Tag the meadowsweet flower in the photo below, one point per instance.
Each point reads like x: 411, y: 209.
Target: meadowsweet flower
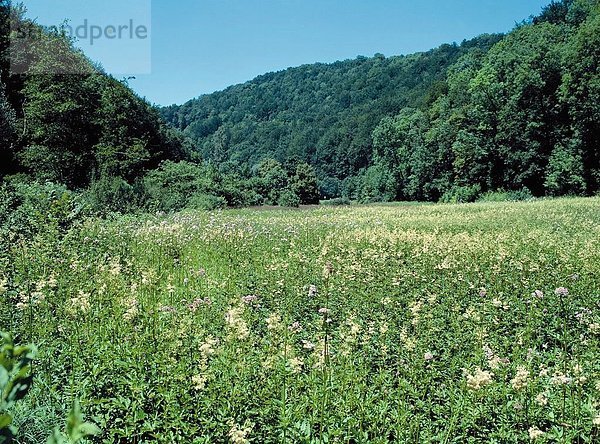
x: 236, y: 323
x: 207, y: 348
x: 3, y: 286
x: 535, y: 433
x: 541, y: 400
x: 579, y: 377
x: 115, y: 267
x: 307, y: 345
x: 239, y: 434
x: 561, y: 291
x: 80, y: 303
x: 324, y: 311
x: 199, y: 382
x: 296, y: 364
x: 295, y: 327
x: 596, y: 421
x: 519, y: 382
x: 495, y: 362
x: 328, y: 270
x: 131, y: 305
x: 320, y: 354
x: 560, y: 379
x: 274, y: 322
x: 479, y: 379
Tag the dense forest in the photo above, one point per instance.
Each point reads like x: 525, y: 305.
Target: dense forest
x: 515, y: 115
x: 518, y: 113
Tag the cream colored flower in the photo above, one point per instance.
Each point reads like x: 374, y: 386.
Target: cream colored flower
x: 541, y: 400
x: 239, y: 434
x: 519, y: 382
x: 479, y: 379
x: 236, y: 324
x: 535, y: 433
x: 199, y: 382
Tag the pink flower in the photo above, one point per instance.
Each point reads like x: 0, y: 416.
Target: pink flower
x: 249, y: 299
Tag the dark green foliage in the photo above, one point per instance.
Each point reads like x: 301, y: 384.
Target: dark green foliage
x: 494, y: 114
x: 523, y: 116
x: 322, y: 114
x: 289, y: 199
x: 304, y: 184
x: 27, y: 208
x: 178, y: 185
x: 74, y: 122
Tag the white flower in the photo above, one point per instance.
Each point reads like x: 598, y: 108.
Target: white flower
x: 535, y: 433
x: 541, y: 400
x: 479, y: 379
x: 519, y: 382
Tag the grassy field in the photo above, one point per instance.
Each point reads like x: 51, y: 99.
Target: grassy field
x: 406, y: 324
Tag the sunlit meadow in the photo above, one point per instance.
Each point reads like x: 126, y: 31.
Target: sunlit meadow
x: 403, y: 324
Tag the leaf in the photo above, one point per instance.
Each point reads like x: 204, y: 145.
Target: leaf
x: 5, y: 421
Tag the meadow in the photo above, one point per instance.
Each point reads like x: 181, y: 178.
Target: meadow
x: 417, y: 323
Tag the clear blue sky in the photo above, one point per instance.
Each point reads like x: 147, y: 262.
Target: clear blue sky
x: 200, y: 46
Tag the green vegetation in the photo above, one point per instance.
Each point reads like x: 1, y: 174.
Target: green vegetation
x: 513, y: 113
x: 407, y: 323
x: 179, y: 322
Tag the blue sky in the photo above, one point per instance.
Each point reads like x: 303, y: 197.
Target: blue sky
x: 200, y: 46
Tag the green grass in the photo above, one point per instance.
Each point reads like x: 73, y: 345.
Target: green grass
x: 422, y: 317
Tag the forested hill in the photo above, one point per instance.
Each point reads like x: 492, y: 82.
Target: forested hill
x: 323, y: 114
x: 518, y: 113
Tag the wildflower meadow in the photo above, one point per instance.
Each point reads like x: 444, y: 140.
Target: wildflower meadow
x: 406, y: 323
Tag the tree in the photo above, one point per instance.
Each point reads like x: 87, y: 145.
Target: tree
x: 564, y: 175
x: 273, y: 180
x: 305, y: 184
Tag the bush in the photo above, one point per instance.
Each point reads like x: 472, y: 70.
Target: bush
x: 340, y: 201
x: 29, y: 208
x: 207, y: 202
x: 114, y: 195
x: 506, y: 196
x: 289, y: 199
x: 462, y: 194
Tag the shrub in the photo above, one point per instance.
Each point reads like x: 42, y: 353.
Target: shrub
x: 462, y: 194
x: 207, y: 202
x: 28, y: 208
x: 340, y: 201
x: 289, y: 199
x: 506, y: 196
x: 114, y: 195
